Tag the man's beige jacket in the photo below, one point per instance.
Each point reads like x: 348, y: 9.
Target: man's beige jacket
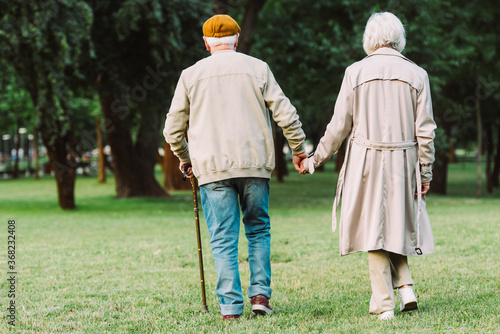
x: 225, y: 98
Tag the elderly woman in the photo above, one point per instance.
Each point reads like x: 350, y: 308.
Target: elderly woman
x: 385, y: 108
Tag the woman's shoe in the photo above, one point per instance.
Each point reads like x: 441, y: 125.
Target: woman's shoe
x: 387, y: 315
x: 408, y: 299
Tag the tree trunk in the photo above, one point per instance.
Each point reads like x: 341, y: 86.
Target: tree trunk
x: 440, y: 172
x: 280, y: 169
x: 35, y: 153
x: 133, y: 163
x: 61, y: 160
x: 252, y: 11
x: 64, y: 165
x: 61, y: 157
x: 101, y: 173
x: 495, y: 177
x: 172, y: 176
x: 17, y: 142
x: 28, y: 155
x: 479, y: 147
x: 440, y: 167
x: 489, y: 158
x: 452, y: 158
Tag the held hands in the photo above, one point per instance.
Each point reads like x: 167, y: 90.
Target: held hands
x: 425, y: 188
x: 303, y: 170
x: 186, y: 167
x: 298, y: 163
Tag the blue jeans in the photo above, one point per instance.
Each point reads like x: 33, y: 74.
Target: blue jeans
x: 221, y: 209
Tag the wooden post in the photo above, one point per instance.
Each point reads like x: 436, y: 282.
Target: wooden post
x: 489, y: 158
x: 496, y: 167
x: 101, y: 174
x: 479, y: 147
x: 35, y: 153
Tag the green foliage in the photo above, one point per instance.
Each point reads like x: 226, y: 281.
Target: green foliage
x: 50, y: 47
x: 441, y: 145
x: 45, y: 44
x: 308, y: 46
x: 16, y: 107
x: 131, y: 37
x: 309, y: 53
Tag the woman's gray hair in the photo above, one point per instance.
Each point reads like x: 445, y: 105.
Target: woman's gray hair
x: 383, y: 29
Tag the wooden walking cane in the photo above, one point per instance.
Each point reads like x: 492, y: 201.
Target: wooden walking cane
x: 198, y: 237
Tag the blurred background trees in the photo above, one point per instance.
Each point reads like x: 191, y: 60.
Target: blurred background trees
x: 70, y: 69
x: 140, y: 48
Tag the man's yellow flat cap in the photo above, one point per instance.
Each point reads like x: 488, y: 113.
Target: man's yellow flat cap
x: 220, y: 26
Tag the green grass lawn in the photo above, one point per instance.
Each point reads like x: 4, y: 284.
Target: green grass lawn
x: 131, y: 266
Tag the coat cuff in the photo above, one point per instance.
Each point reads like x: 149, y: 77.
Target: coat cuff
x: 299, y: 149
x: 309, y: 165
x: 183, y: 154
x: 426, y: 173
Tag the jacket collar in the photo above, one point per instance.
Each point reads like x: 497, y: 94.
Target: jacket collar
x: 222, y: 52
x: 385, y: 51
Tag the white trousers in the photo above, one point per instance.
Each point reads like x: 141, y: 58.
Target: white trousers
x: 388, y: 271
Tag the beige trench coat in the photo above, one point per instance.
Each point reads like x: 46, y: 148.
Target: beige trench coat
x: 385, y: 108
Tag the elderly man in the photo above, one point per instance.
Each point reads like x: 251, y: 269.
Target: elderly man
x: 385, y: 106
x: 225, y: 98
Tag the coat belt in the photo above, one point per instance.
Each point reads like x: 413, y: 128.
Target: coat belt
x: 384, y: 146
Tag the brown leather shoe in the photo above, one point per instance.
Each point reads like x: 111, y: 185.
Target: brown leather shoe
x: 260, y: 305
x: 231, y: 316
